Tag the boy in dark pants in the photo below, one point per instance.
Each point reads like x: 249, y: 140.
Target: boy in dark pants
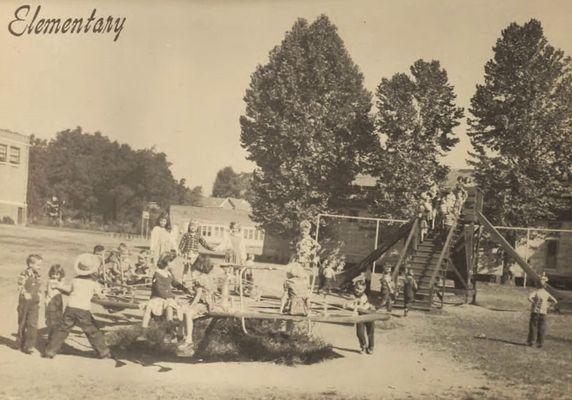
x: 409, y: 289
x: 29, y: 304
x: 364, y: 330
x: 540, y: 300
x: 78, y: 311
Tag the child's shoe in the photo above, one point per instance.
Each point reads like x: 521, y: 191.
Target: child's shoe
x: 369, y: 351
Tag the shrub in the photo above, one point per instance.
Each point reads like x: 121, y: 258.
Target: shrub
x: 7, y: 221
x: 227, y: 342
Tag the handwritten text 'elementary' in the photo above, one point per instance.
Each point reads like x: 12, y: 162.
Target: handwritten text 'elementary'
x: 25, y: 22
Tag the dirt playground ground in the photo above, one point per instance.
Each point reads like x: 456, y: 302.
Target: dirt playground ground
x: 461, y: 352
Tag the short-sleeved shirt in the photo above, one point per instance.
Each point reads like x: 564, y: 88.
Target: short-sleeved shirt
x: 329, y: 273
x: 82, y: 291
x: 540, y: 299
x: 361, y: 302
x: 29, y: 282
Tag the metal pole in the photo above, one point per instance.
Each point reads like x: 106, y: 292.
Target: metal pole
x: 527, y: 256
x: 375, y: 245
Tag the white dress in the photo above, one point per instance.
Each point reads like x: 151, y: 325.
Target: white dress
x: 161, y: 242
x: 233, y: 247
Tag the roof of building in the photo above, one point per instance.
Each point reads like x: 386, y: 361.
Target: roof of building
x: 225, y: 202
x: 181, y: 215
x: 15, y: 136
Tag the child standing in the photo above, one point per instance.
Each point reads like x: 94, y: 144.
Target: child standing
x: 539, y: 299
x: 249, y: 275
x: 189, y: 245
x: 162, y: 297
x: 29, y: 304
x: 360, y: 304
x: 409, y: 289
x: 78, y: 312
x: 328, y: 278
x: 295, y: 297
x: 54, y: 301
x: 424, y: 228
x: 387, y: 289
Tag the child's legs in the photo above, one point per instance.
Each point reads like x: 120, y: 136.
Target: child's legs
x: 86, y: 323
x: 61, y: 332
x: 189, y: 315
x: 360, y: 331
x: 31, y: 327
x: 370, y: 329
x: 169, y: 313
x: 146, y: 317
x: 532, y: 328
x: 22, y: 313
x: 541, y: 329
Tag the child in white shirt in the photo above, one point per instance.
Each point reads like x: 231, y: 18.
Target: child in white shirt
x: 78, y: 312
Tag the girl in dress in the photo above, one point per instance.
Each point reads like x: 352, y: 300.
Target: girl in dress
x: 233, y: 246
x: 161, y: 239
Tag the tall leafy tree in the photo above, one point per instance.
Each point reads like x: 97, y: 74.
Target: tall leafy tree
x: 231, y: 184
x: 101, y: 180
x: 38, y: 186
x: 415, y: 120
x: 306, y: 126
x: 522, y: 128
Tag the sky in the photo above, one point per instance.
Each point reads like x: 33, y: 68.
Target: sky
x: 176, y: 76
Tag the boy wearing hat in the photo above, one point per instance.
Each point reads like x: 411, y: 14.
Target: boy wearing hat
x: 78, y: 312
x: 360, y: 304
x: 539, y: 299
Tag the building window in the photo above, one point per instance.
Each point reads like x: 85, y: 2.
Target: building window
x: 14, y: 155
x: 3, y: 152
x: 206, y: 230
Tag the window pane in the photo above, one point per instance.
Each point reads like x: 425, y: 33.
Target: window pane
x: 14, y: 155
x: 3, y: 152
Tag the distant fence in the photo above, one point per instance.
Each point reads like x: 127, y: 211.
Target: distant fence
x: 545, y: 249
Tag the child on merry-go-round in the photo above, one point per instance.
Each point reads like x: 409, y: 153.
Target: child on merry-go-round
x: 162, y: 301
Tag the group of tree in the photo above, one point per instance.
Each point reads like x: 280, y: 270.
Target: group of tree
x: 309, y: 128
x: 231, y: 184
x: 101, y: 180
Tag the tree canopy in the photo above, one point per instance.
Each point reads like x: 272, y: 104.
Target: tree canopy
x: 415, y: 120
x: 306, y: 125
x: 231, y: 184
x: 100, y: 179
x: 521, y: 128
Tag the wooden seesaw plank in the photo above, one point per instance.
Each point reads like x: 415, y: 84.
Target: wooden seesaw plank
x: 313, y: 318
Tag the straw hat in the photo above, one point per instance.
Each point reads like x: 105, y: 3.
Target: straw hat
x: 86, y: 264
